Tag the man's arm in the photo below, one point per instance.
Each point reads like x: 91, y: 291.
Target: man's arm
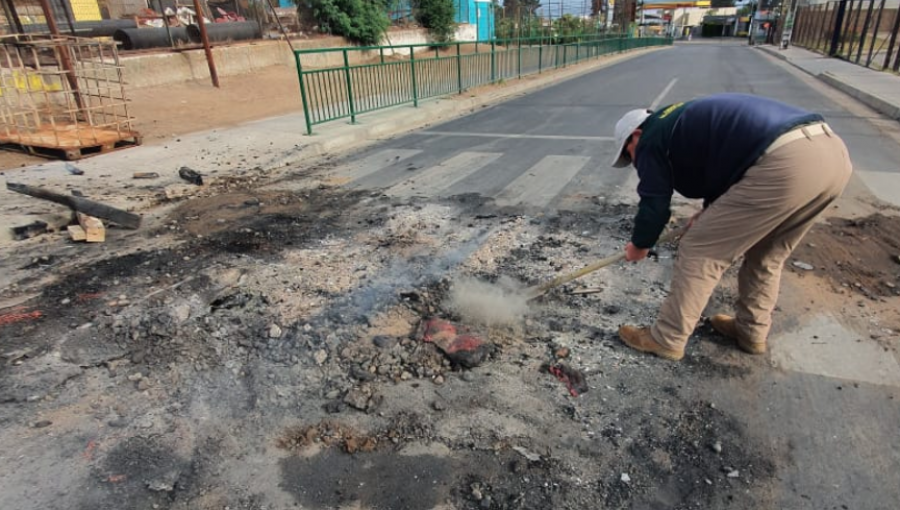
x: 650, y: 221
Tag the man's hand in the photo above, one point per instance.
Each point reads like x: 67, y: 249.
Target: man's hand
x: 634, y: 254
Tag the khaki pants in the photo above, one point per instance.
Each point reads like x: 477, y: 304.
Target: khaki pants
x: 762, y: 217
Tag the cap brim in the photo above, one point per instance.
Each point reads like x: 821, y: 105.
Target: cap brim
x: 621, y: 160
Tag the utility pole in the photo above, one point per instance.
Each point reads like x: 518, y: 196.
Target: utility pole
x: 203, y: 37
x: 750, y: 23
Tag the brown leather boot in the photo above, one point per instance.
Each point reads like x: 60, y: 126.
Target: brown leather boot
x: 640, y: 339
x: 727, y: 326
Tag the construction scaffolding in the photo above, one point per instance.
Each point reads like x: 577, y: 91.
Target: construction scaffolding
x: 62, y: 96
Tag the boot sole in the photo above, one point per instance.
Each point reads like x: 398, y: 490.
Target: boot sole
x: 748, y: 347
x: 669, y: 355
x: 752, y: 348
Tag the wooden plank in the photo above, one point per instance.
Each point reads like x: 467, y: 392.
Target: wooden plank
x: 77, y: 233
x: 93, y: 228
x: 68, y: 137
x: 83, y: 205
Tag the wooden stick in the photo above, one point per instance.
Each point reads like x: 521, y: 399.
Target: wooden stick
x: 539, y: 290
x: 83, y: 205
x: 589, y: 290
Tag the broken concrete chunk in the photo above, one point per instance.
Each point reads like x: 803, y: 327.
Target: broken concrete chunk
x: 357, y: 399
x: 533, y: 457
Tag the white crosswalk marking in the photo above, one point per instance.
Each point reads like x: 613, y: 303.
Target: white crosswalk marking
x: 368, y: 165
x: 432, y: 181
x: 542, y: 182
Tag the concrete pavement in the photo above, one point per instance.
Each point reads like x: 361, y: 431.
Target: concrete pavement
x: 877, y: 89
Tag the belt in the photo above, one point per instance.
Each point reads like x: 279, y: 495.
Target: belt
x: 807, y: 131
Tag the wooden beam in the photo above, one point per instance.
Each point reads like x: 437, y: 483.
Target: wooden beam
x: 77, y: 233
x: 83, y: 205
x: 93, y: 228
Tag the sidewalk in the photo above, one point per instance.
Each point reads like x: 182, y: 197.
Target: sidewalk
x: 879, y: 90
x: 255, y: 151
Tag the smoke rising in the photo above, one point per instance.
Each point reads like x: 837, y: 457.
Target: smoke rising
x: 491, y: 304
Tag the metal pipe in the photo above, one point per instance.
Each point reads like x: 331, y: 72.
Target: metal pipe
x: 218, y: 32
x: 145, y: 38
x: 63, y: 54
x: 69, y: 16
x: 12, y: 15
x: 209, y: 56
x: 159, y: 5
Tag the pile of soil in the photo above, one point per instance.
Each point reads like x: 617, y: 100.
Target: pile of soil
x: 859, y: 254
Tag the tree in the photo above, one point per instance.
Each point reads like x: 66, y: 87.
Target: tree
x: 438, y: 16
x: 362, y: 21
x: 568, y: 25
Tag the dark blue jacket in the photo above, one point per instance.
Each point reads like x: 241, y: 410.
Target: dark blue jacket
x: 700, y: 148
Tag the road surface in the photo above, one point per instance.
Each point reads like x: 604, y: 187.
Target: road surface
x: 835, y: 421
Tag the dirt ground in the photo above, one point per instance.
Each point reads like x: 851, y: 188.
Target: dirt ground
x: 164, y: 112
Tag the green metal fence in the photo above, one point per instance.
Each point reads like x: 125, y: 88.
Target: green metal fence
x: 377, y: 77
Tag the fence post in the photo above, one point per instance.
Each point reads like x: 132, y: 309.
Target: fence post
x: 349, y: 88
x: 875, y: 33
x: 862, y: 38
x: 412, y: 69
x: 459, y: 67
x: 541, y: 57
x: 493, y: 62
x: 520, y: 58
x: 821, y: 36
x: 890, y: 51
x: 303, y: 95
x: 836, y: 32
x: 381, y: 50
x: 853, y: 29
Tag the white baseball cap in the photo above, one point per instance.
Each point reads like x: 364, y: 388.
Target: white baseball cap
x: 626, y: 125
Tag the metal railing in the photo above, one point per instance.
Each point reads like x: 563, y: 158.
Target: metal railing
x: 366, y: 79
x: 860, y: 31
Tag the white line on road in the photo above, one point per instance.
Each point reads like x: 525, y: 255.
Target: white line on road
x: 662, y: 95
x: 437, y: 178
x: 369, y: 165
x: 542, y: 182
x: 513, y: 135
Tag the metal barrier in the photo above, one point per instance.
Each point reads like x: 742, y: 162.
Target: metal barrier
x: 377, y: 77
x: 860, y: 31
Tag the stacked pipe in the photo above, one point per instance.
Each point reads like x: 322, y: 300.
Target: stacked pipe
x: 145, y: 38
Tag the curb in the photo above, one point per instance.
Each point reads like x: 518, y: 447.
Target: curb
x: 873, y: 101
x: 877, y: 103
